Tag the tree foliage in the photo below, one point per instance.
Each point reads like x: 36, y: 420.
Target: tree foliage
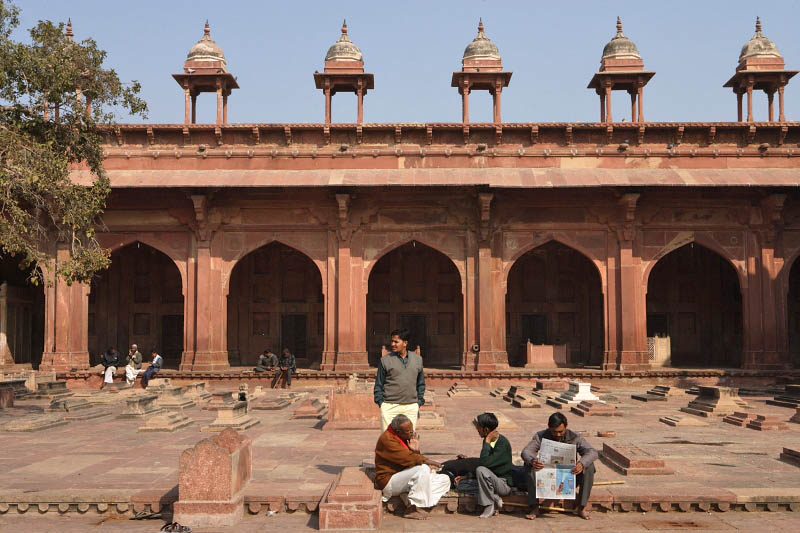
x: 55, y: 94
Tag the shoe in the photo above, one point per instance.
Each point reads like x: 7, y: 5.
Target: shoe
x: 488, y: 511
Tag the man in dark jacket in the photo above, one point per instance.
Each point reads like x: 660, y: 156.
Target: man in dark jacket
x: 492, y: 469
x: 110, y: 361
x: 286, y: 367
x: 584, y: 469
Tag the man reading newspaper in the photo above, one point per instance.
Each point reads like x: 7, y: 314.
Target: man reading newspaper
x: 557, y: 445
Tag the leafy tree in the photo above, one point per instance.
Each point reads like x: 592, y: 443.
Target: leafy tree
x: 55, y: 95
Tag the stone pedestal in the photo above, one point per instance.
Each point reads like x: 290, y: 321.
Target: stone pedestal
x: 511, y: 393
x: 6, y: 397
x: 595, y: 409
x: 525, y: 401
x: 546, y: 355
x: 578, y: 392
x: 231, y: 415
x: 351, y: 503
x: 17, y: 387
x: 429, y: 420
x: 50, y: 390
x: 767, y: 423
x: 715, y: 401
x: 218, y: 399
x: 33, y: 423
x: 197, y: 391
x: 170, y: 397
x: 796, y: 417
x: 680, y: 420
x: 739, y: 418
x: 167, y: 421
x: 457, y: 389
x: 76, y: 409
x: 310, y: 409
x: 659, y: 393
x: 630, y: 460
x: 791, y: 456
x: 552, y: 384
x: 352, y: 410
x: 211, y: 481
x: 790, y: 398
x: 140, y: 406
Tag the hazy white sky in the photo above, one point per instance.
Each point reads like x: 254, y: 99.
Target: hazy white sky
x: 413, y: 46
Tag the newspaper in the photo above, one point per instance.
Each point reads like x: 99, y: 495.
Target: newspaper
x: 556, y: 480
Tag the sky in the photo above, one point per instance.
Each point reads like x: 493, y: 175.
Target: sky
x: 413, y: 47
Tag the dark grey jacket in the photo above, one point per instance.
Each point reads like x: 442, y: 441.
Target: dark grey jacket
x: 588, y: 455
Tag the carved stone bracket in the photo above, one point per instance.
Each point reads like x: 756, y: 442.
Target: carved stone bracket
x: 772, y: 210
x: 484, y: 205
x: 626, y: 231
x: 534, y: 134
x: 203, y: 226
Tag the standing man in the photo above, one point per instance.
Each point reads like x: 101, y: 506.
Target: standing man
x: 400, y: 383
x: 584, y: 469
x: 286, y: 366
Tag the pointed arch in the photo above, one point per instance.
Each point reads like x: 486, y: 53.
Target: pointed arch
x: 114, y: 242
x: 380, y: 254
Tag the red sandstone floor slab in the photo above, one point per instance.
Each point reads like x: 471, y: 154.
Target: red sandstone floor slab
x: 296, y: 455
x: 556, y: 523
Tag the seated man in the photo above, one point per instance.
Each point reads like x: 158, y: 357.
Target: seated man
x: 401, y: 469
x: 584, y: 469
x: 286, y: 366
x: 110, y: 361
x: 153, y: 369
x: 266, y: 361
x: 492, y: 468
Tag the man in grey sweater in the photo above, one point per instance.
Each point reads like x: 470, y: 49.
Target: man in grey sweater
x: 400, y: 382
x: 584, y: 469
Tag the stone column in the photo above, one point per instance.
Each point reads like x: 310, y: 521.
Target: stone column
x: 210, y: 310
x: 329, y: 341
x: 633, y: 106
x: 219, y: 103
x: 187, y: 115
x: 608, y: 104
x: 360, y: 95
x: 351, y: 350
x: 498, y: 90
x: 739, y: 115
x: 224, y: 108
x: 750, y: 101
x: 194, y: 109
x: 602, y: 95
x: 633, y: 317
x: 327, y: 105
x: 752, y: 305
x: 465, y: 101
x: 66, y: 323
x: 640, y: 114
x: 490, y: 306
x: 470, y: 299
x: 611, y: 306
x: 770, y: 102
x: 781, y: 115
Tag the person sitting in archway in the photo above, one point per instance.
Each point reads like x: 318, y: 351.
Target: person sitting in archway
x: 110, y: 361
x: 286, y: 366
x: 266, y: 361
x: 153, y: 369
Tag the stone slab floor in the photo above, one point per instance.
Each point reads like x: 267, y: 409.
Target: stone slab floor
x: 300, y: 521
x: 296, y: 456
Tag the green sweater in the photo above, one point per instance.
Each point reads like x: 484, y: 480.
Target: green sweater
x: 498, y: 459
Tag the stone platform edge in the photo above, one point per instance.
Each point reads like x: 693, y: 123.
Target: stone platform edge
x: 126, y: 503
x: 463, y: 375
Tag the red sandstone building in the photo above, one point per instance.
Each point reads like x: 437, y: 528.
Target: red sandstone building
x: 583, y: 243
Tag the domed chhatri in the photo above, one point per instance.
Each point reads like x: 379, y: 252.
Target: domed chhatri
x: 344, y: 49
x: 205, y: 71
x: 621, y: 69
x: 481, y: 48
x: 481, y: 70
x: 620, y: 47
x: 206, y: 49
x: 344, y: 72
x: 761, y: 67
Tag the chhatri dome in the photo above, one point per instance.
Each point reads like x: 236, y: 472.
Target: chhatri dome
x: 206, y: 49
x: 481, y: 47
x: 620, y: 47
x: 759, y: 46
x: 344, y: 49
